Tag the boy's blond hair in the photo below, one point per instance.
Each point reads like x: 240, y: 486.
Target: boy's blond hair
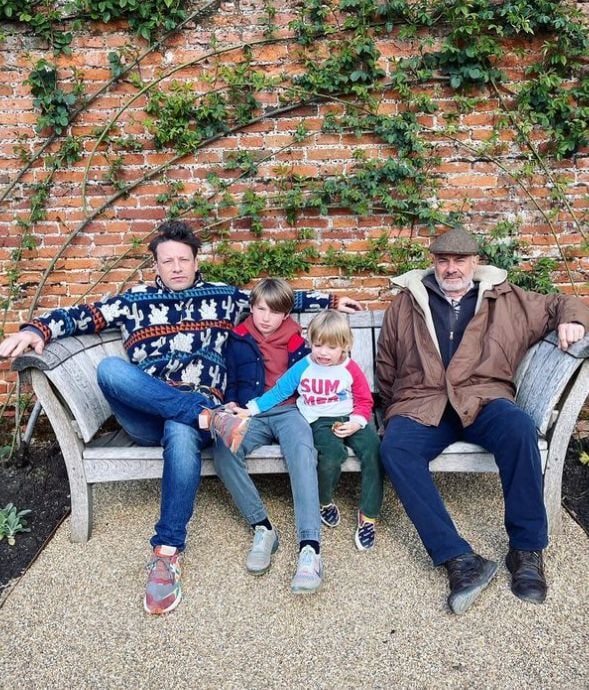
x: 330, y: 328
x: 277, y: 294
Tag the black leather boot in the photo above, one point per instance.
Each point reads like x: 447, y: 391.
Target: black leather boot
x: 468, y: 575
x: 527, y: 575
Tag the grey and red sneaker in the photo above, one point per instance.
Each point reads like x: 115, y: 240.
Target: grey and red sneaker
x: 228, y: 426
x: 163, y: 591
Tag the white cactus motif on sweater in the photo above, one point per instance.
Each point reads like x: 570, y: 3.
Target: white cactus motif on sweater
x: 185, y: 309
x: 156, y: 345
x: 182, y: 342
x: 112, y: 311
x: 158, y: 314
x: 139, y: 354
x: 57, y: 328
x: 136, y: 316
x: 220, y: 341
x: 227, y: 305
x: 172, y: 367
x: 192, y: 373
x: 205, y: 338
x: 215, y: 375
x: 208, y: 310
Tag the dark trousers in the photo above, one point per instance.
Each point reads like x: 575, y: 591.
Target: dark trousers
x: 332, y: 453
x: 503, y: 429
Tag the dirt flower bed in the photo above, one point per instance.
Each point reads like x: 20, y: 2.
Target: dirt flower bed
x: 40, y: 484
x: 575, y: 484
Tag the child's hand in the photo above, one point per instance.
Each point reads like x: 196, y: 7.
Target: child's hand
x: 345, y: 429
x: 234, y: 408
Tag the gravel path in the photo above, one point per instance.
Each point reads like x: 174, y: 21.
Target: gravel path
x: 75, y: 620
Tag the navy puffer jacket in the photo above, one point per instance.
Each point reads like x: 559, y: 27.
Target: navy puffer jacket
x: 245, y: 364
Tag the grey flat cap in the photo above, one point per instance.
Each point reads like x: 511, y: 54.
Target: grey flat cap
x: 455, y: 241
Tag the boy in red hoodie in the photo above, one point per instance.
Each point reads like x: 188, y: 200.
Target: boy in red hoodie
x: 258, y: 352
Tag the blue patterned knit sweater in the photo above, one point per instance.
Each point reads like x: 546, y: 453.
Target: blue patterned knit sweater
x: 176, y: 336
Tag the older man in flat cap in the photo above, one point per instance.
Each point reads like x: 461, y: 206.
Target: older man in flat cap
x: 449, y: 347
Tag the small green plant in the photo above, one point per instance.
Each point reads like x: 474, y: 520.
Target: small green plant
x: 503, y: 249
x: 538, y: 278
x: 54, y: 103
x: 286, y: 258
x: 43, y: 19
x: 12, y: 522
x: 145, y: 17
x: 384, y: 256
x: 269, y: 21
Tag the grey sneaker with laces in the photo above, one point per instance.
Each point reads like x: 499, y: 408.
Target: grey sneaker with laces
x: 264, y: 545
x: 309, y: 572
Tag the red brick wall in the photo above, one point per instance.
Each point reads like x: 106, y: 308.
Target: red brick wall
x: 468, y: 183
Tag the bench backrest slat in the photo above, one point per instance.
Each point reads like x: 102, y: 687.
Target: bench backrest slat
x: 363, y: 352
x: 523, y: 366
x: 75, y: 380
x: 82, y: 395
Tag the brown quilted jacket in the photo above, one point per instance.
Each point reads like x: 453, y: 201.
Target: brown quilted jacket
x: 410, y: 374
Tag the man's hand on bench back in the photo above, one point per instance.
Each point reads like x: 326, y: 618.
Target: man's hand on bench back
x: 17, y: 343
x: 348, y: 305
x: 569, y: 333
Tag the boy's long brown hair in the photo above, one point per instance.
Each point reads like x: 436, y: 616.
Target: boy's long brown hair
x: 277, y: 294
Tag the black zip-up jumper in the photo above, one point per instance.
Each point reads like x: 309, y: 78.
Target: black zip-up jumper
x: 450, y: 320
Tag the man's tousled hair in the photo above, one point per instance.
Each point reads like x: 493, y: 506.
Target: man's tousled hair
x: 178, y: 231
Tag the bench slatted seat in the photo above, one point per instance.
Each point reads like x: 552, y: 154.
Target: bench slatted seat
x: 552, y: 387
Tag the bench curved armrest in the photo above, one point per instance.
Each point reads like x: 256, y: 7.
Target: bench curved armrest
x: 69, y: 365
x: 59, y: 351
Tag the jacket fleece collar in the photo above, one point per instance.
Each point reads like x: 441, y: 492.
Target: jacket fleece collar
x: 487, y: 277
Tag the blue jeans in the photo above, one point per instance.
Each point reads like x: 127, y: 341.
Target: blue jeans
x: 286, y: 425
x: 502, y: 428
x: 154, y: 413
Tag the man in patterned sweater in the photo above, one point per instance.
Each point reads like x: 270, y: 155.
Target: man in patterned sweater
x: 174, y: 333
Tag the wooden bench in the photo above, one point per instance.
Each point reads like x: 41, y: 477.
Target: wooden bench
x: 551, y: 386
